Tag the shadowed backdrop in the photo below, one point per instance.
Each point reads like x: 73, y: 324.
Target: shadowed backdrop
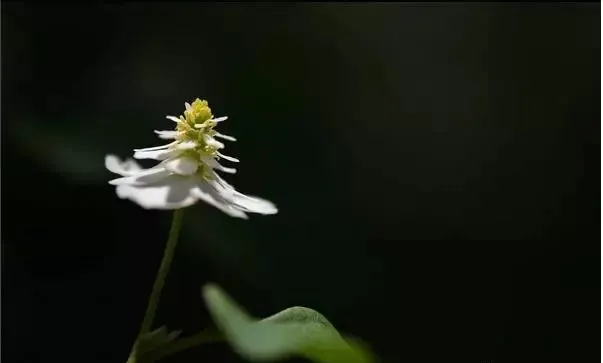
x: 436, y: 167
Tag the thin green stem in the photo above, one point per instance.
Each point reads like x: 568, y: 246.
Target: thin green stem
x: 164, y: 268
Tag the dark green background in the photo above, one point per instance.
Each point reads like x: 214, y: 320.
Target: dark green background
x: 436, y: 166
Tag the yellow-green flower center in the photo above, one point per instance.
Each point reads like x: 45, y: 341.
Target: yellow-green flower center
x: 198, y: 114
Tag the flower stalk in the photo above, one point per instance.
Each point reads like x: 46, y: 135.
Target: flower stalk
x: 164, y: 268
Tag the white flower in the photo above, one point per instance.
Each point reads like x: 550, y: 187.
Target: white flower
x: 186, y: 172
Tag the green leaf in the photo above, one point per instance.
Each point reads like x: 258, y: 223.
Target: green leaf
x: 294, y: 331
x: 155, y: 339
x: 151, y: 342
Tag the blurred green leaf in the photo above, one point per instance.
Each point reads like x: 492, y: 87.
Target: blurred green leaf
x: 293, y: 331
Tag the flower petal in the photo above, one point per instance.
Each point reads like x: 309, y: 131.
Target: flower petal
x: 144, y: 177
x: 212, y: 163
x: 166, y: 134
x: 254, y: 204
x: 208, y: 194
x: 220, y: 119
x: 226, y: 157
x: 187, y: 145
x: 240, y: 200
x: 156, y: 154
x: 125, y: 168
x: 161, y: 147
x: 181, y: 166
x: 212, y: 142
x: 225, y: 137
x: 173, y: 118
x: 173, y: 192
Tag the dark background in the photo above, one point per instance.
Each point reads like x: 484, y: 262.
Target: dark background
x: 436, y: 166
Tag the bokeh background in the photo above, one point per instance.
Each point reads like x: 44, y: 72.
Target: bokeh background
x: 436, y: 166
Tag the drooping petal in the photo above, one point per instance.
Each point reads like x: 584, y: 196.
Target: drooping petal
x: 240, y: 200
x: 143, y: 177
x: 173, y: 192
x: 225, y: 137
x: 254, y: 204
x: 226, y: 157
x: 215, y: 176
x: 125, y: 168
x: 181, y: 166
x: 208, y: 194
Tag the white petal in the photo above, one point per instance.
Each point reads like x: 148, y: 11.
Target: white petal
x: 156, y: 154
x: 254, y: 204
x: 210, y: 122
x: 212, y: 163
x: 208, y: 194
x: 123, y: 191
x: 144, y: 177
x: 168, y: 134
x: 173, y: 192
x: 242, y: 201
x: 182, y: 166
x: 161, y: 147
x: 225, y: 137
x: 224, y: 169
x: 226, y: 157
x: 212, y: 142
x: 187, y: 145
x: 125, y: 168
x: 215, y: 176
x: 173, y: 118
x: 188, y: 106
